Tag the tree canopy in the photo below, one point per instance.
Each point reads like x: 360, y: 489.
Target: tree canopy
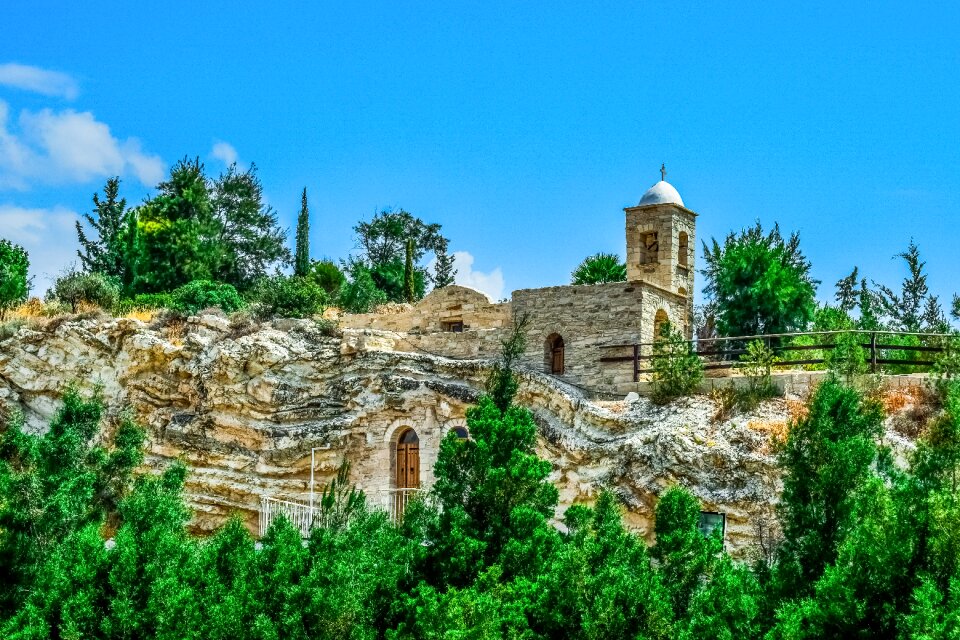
x: 600, y: 268
x: 14, y: 282
x: 759, y: 283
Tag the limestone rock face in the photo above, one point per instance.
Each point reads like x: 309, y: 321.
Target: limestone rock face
x: 245, y: 409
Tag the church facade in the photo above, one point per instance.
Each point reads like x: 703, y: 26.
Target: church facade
x: 582, y: 334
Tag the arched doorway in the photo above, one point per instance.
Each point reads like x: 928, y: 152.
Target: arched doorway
x: 554, y: 355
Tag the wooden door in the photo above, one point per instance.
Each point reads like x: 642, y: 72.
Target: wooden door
x: 557, y: 361
x: 408, y: 460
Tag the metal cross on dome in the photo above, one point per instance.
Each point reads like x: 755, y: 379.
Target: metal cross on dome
x: 663, y: 172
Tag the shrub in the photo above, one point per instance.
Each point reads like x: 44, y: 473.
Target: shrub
x: 328, y: 275
x: 946, y: 367
x: 77, y: 287
x: 756, y: 365
x: 677, y: 370
x: 201, y: 294
x: 361, y: 294
x: 153, y: 301
x: 289, y: 297
x: 847, y: 358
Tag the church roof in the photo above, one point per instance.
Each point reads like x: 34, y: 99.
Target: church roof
x: 661, y: 193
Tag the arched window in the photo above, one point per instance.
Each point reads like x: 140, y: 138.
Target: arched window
x: 683, y: 249
x: 660, y: 320
x: 408, y: 460
x: 461, y: 432
x: 554, y: 354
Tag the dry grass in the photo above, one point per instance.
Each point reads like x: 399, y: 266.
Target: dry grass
x: 142, y: 314
x: 910, y: 408
x: 725, y: 401
x: 776, y: 432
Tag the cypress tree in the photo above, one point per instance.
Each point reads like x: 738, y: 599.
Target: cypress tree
x: 301, y: 261
x: 409, y: 290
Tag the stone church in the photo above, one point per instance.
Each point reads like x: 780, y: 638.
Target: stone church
x: 582, y: 334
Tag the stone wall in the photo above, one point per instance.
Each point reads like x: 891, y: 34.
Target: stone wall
x: 437, y: 312
x: 590, y: 319
x: 791, y: 384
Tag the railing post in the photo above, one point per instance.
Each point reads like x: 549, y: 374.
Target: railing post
x: 873, y: 352
x: 636, y: 363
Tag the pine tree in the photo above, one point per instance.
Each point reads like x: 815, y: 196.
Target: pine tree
x: 104, y: 254
x: 847, y: 291
x: 409, y: 287
x: 444, y: 271
x: 301, y: 262
x: 250, y: 239
x: 913, y: 308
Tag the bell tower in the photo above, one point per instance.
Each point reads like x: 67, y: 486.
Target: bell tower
x: 660, y: 240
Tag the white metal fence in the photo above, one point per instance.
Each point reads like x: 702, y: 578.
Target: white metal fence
x: 301, y: 514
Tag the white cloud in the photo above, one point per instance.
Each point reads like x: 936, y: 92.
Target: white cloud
x: 49, y: 237
x: 68, y: 147
x: 43, y: 81
x: 224, y: 152
x: 490, y: 283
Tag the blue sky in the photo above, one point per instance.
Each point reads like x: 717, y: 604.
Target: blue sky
x: 523, y: 128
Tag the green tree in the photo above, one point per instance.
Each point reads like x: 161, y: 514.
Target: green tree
x: 677, y: 370
x: 686, y: 556
x: 289, y: 297
x: 104, y: 253
x: 176, y: 232
x: 301, y: 263
x: 328, y: 276
x: 248, y: 239
x: 198, y: 295
x: 600, y: 583
x: 383, y: 239
x: 847, y: 291
x: 600, y: 268
x: 443, y: 270
x: 759, y: 283
x: 390, y: 278
x: 360, y: 294
x: 56, y: 484
x: 14, y: 283
x: 409, y: 289
x: 76, y: 287
x: 828, y: 456
x: 913, y: 309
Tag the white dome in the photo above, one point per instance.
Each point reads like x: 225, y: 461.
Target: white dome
x: 661, y: 193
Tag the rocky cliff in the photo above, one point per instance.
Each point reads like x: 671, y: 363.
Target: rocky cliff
x: 244, y: 406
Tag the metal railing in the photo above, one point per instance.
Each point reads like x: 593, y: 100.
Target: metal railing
x: 397, y: 501
x: 725, y: 352
x: 301, y: 515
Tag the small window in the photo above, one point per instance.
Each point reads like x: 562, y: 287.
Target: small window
x: 710, y: 521
x: 683, y: 249
x: 461, y: 432
x: 454, y: 326
x: 650, y: 248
